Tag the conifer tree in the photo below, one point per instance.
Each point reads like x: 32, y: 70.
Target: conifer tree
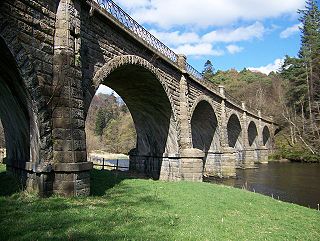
x: 208, y: 71
x: 100, y: 123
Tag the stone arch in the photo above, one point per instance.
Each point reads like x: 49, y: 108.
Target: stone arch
x: 205, y: 134
x: 252, y: 134
x: 234, y: 132
x: 205, y: 125
x: 144, y: 91
x: 265, y: 136
x: 20, y: 94
x: 123, y: 60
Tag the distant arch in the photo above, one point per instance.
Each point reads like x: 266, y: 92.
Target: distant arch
x: 234, y: 132
x: 265, y: 136
x: 252, y: 134
x: 205, y: 127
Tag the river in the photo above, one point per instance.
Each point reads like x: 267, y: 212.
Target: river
x: 290, y: 182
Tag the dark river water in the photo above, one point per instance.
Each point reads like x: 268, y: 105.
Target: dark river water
x: 290, y: 182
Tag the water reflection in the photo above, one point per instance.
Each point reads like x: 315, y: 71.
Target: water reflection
x: 291, y: 182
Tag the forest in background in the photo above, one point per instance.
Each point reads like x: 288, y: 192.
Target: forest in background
x: 291, y: 96
x: 109, y: 125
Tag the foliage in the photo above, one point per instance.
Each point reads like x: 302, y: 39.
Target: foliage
x: 302, y: 75
x: 291, y: 96
x: 133, y: 209
x: 208, y: 71
x: 113, y: 125
x: 100, y: 122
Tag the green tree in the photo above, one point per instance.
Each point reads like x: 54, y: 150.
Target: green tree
x: 208, y: 71
x: 100, y: 123
x: 310, y: 53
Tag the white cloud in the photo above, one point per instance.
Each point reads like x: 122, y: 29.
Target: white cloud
x: 244, y: 33
x: 204, y: 13
x: 176, y: 38
x: 275, y: 66
x: 198, y: 50
x: 290, y: 31
x: 233, y: 49
x: 255, y: 30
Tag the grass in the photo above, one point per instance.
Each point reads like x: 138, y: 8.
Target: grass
x: 122, y: 208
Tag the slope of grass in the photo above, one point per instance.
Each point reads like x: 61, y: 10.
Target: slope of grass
x: 134, y: 209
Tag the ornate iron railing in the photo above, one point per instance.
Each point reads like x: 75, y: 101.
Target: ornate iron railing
x: 136, y: 28
x: 200, y: 78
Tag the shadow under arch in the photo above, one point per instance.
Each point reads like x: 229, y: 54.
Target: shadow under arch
x: 234, y: 132
x: 265, y: 136
x: 17, y: 115
x: 253, y: 140
x: 205, y: 134
x: 142, y: 90
x: 252, y: 135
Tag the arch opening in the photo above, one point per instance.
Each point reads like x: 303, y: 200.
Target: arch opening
x: 152, y: 115
x: 109, y: 124
x: 205, y: 136
x: 16, y: 114
x: 252, y: 135
x: 234, y: 131
x: 204, y: 128
x: 265, y: 136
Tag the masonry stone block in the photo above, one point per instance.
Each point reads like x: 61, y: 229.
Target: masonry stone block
x: 61, y: 53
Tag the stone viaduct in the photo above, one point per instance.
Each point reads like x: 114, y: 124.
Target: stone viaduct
x: 55, y: 54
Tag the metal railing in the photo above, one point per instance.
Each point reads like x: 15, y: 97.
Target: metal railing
x: 134, y: 27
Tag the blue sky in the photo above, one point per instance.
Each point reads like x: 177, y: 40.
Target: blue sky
x: 238, y: 34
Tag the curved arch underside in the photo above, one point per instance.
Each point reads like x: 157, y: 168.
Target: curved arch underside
x: 14, y: 110
x: 204, y: 128
x: 234, y: 131
x: 265, y: 135
x: 252, y: 134
x: 150, y: 109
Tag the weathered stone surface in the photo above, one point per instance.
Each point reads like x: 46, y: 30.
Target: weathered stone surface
x: 55, y: 54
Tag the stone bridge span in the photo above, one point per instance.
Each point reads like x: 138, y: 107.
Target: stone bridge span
x: 54, y: 56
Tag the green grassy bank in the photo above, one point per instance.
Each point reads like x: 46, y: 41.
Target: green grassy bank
x: 121, y: 208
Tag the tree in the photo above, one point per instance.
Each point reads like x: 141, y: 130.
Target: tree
x: 100, y: 123
x: 208, y: 71
x: 310, y: 54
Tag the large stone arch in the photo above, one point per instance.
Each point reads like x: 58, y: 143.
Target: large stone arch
x: 205, y: 132
x: 21, y: 103
x: 205, y: 125
x: 144, y: 91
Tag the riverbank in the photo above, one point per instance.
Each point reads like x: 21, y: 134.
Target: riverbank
x: 123, y: 208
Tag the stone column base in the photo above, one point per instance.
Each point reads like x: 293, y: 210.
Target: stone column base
x: 228, y: 163
x: 191, y: 164
x: 65, y: 179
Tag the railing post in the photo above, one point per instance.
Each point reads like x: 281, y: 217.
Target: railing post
x: 102, y: 163
x: 117, y: 167
x: 222, y: 91
x: 182, y: 63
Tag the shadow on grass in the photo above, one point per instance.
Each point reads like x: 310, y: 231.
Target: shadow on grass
x: 130, y: 211
x: 8, y: 184
x: 102, y: 180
